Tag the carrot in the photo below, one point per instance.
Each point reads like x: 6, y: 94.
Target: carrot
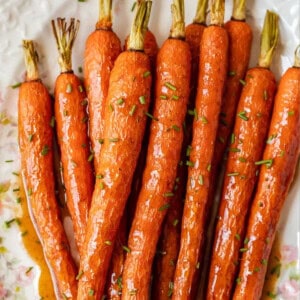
x: 101, y: 50
x: 169, y: 243
x: 165, y: 140
x: 247, y: 145
x: 125, y: 118
x: 278, y: 164
x: 36, y: 148
x: 212, y: 73
x: 71, y: 125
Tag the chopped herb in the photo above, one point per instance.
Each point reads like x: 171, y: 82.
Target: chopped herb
x: 111, y: 108
x: 133, y: 292
x: 233, y: 174
x: 265, y: 95
x: 176, y: 128
x: 267, y: 162
x: 132, y: 110
x: 175, y: 97
x: 142, y: 99
x: 52, y: 122
x: 99, y: 176
x: 188, y: 150
x: 232, y: 138
x: 246, y: 241
x: 276, y: 270
x: 201, y: 180
x: 243, y: 82
x: 101, y: 185
x: 125, y: 248
x: 260, y: 204
x: 237, y: 236
x: 151, y: 116
x: 231, y: 73
x: 208, y: 167
x: 257, y: 269
x: 120, y: 101
x: 271, y: 295
x: 189, y: 163
x: 270, y: 138
x: 100, y: 141
x: 91, y: 292
x: 109, y: 243
x: 164, y: 97
x: 83, y: 145
x: 175, y: 222
x: 16, y: 190
x: 29, y: 192
x: 168, y: 194
x: 45, y: 150
x: 243, y: 115
x: 64, y: 295
x: 171, y: 287
x: 119, y: 282
x: 65, y: 113
x: 113, y: 140
x: 91, y: 156
x: 242, y: 159
x: 9, y: 222
x: 84, y: 119
x: 28, y: 270
x: 24, y: 233
x: 146, y: 74
x: 79, y: 275
x: 84, y: 102
x: 282, y: 152
x: 69, y: 88
x: 238, y: 280
x: 172, y: 263
x: 164, y: 207
x: 204, y: 120
x: 234, y: 150
x: 220, y: 139
x: 30, y: 137
x: 9, y: 160
x: 243, y: 249
x: 18, y: 200
x: 16, y: 85
x: 80, y: 69
x: 132, y: 9
x: 291, y: 113
x: 170, y: 86
x: 80, y: 88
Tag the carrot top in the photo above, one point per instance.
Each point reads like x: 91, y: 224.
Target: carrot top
x: 217, y: 11
x: 239, y: 10
x: 297, y: 57
x: 65, y: 37
x: 31, y: 60
x: 200, y: 17
x: 105, y: 19
x: 178, y: 25
x: 269, y: 39
x: 139, y: 26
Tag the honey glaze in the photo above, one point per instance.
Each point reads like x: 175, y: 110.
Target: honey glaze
x: 34, y: 248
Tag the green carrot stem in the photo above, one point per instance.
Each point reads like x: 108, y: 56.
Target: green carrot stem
x: 297, y: 57
x: 239, y: 10
x: 269, y: 39
x: 65, y: 37
x: 178, y: 25
x: 31, y: 60
x: 105, y: 18
x: 217, y: 8
x: 200, y: 17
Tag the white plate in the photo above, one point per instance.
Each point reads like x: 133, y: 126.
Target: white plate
x: 30, y: 19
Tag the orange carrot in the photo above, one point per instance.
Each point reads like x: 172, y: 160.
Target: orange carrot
x: 125, y: 118
x: 101, y: 50
x: 278, y: 167
x: 247, y: 145
x: 169, y: 243
x: 72, y: 131
x: 212, y: 73
x: 36, y: 148
x: 165, y: 140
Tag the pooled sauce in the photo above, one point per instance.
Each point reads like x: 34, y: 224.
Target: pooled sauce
x: 34, y: 248
x: 273, y: 271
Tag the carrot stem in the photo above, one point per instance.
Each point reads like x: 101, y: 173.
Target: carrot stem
x: 217, y: 8
x: 105, y: 19
x: 239, y: 10
x: 140, y: 23
x: 31, y: 60
x: 178, y: 25
x: 200, y: 17
x: 269, y: 39
x: 65, y: 37
x: 297, y: 57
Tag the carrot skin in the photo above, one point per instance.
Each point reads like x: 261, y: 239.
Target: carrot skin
x: 172, y: 70
x: 101, y: 50
x: 123, y: 133
x: 240, y: 177
x: 170, y: 237
x: 273, y: 185
x: 72, y: 132
x: 35, y: 141
x: 212, y: 74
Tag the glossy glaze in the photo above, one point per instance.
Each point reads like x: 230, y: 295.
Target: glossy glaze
x: 273, y: 185
x: 72, y: 136
x: 101, y: 50
x: 123, y: 133
x: 173, y: 67
x: 35, y: 141
x: 247, y: 145
x: 212, y: 70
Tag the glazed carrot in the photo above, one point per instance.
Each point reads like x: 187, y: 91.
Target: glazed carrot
x: 36, y: 148
x: 276, y: 174
x: 246, y: 147
x: 125, y: 118
x: 166, y: 135
x: 72, y: 131
x: 168, y: 247
x: 101, y: 50
x: 212, y: 73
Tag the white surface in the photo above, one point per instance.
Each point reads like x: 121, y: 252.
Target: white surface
x: 30, y: 19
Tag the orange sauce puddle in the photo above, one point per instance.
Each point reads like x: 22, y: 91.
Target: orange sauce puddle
x: 34, y: 248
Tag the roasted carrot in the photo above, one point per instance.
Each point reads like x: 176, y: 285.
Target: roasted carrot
x: 101, y: 50
x: 36, y: 148
x: 72, y: 131
x: 125, y: 118
x: 173, y: 68
x: 168, y: 246
x: 278, y: 167
x: 212, y: 73
x: 247, y: 144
